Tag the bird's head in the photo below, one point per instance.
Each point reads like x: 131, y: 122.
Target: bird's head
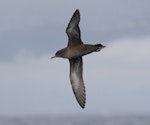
x: 59, y: 53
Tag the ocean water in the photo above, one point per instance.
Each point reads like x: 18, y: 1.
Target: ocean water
x: 75, y: 120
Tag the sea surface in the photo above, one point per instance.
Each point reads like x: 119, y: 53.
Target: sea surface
x: 75, y: 120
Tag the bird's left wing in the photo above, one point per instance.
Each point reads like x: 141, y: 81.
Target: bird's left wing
x: 73, y: 30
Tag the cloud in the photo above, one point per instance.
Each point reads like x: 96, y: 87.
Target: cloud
x: 116, y: 79
x: 123, y: 59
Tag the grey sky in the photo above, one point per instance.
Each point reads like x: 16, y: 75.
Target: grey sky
x: 39, y: 26
x: 117, y: 78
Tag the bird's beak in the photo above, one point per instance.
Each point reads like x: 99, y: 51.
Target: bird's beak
x: 53, y: 57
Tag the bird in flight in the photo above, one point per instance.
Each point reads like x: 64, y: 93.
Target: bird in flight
x: 74, y: 52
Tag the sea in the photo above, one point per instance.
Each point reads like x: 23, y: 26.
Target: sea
x: 76, y: 120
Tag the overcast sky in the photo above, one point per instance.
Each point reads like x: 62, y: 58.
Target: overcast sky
x: 117, y: 78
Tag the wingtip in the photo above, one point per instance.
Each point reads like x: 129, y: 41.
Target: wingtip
x: 83, y: 102
x: 83, y: 107
x: 77, y: 10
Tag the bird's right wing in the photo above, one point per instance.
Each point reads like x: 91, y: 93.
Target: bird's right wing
x: 77, y: 80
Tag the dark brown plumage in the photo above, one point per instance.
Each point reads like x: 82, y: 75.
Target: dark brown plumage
x: 74, y: 52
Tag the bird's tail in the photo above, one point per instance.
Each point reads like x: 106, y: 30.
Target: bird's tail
x: 99, y: 47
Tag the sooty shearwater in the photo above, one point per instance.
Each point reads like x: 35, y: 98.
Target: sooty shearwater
x: 74, y: 52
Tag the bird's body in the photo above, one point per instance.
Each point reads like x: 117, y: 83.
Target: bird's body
x: 74, y: 52
x: 77, y: 50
